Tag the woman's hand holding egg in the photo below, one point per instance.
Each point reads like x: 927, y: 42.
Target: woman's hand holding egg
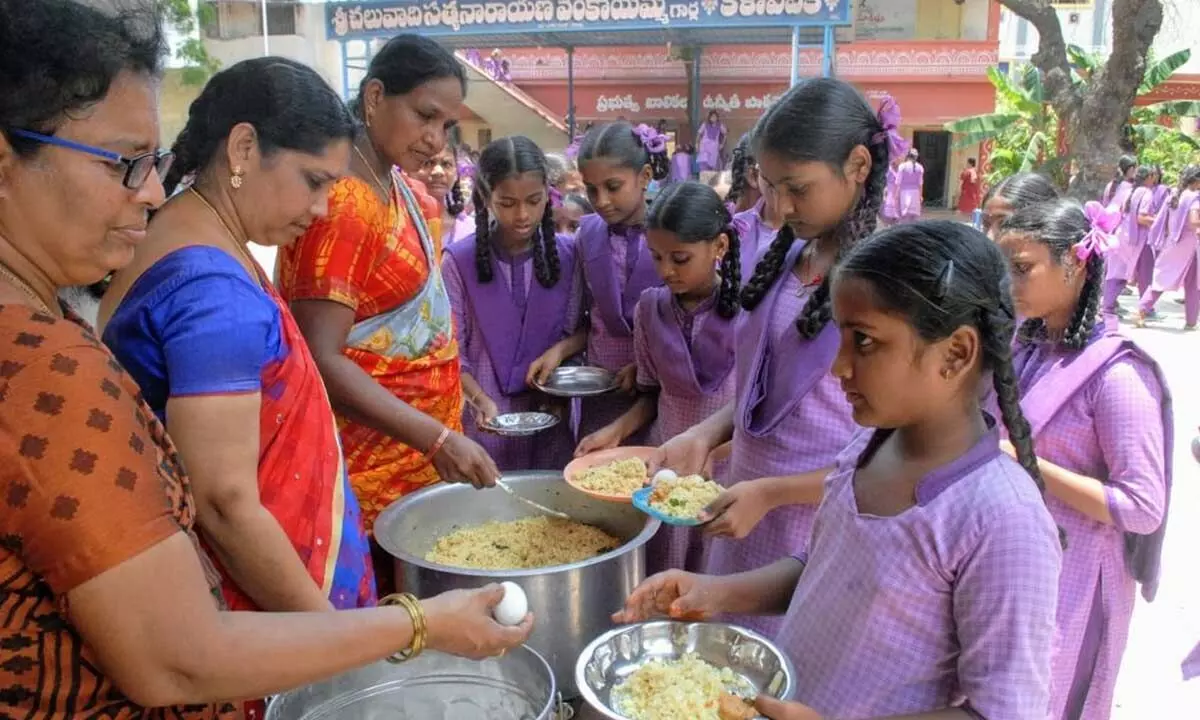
x: 513, y: 607
x: 461, y: 622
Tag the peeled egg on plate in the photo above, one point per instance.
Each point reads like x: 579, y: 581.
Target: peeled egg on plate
x: 513, y: 607
x: 665, y: 474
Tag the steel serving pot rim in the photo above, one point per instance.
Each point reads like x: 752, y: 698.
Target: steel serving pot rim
x: 589, y: 695
x: 552, y: 707
x: 390, y: 515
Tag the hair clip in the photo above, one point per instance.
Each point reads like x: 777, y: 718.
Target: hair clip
x: 945, y: 279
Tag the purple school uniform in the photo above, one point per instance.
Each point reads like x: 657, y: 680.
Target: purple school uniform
x: 1191, y: 664
x: 616, y: 267
x: 1120, y: 263
x: 1116, y: 193
x: 910, y: 179
x: 1114, y: 283
x: 462, y: 228
x: 681, y: 167
x: 1175, y: 266
x: 501, y: 327
x: 791, y: 416
x: 708, y: 153
x: 890, y: 210
x: 952, y: 601
x: 1103, y: 412
x: 1159, y: 195
x: 754, y: 236
x: 687, y: 357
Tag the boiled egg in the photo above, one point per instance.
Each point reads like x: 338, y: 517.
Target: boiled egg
x: 513, y: 607
x: 666, y: 474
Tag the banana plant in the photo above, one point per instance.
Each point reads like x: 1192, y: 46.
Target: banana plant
x: 1023, y: 125
x: 1146, y: 123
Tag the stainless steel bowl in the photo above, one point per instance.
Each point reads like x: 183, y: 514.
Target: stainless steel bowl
x: 433, y: 686
x: 572, y: 604
x: 615, y: 655
x: 521, y: 424
x: 572, y: 381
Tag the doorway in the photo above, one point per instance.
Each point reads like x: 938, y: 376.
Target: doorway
x: 934, y: 148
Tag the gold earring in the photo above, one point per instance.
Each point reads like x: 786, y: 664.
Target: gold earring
x: 235, y: 180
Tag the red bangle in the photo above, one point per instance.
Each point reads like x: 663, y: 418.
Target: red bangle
x: 437, y: 444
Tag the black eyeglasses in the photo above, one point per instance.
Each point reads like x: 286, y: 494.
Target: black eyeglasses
x: 137, y: 168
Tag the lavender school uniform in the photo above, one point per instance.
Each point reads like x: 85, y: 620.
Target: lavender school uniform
x: 687, y: 358
x: 501, y: 327
x: 1159, y: 196
x: 1122, y: 263
x: 791, y: 417
x: 754, y: 237
x: 951, y: 600
x: 1175, y: 265
x: 617, y: 267
x: 1104, y: 412
x: 1114, y: 274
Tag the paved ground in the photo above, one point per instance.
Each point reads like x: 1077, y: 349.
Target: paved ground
x: 1150, y: 686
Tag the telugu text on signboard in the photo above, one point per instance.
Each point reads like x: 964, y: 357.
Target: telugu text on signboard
x: 443, y: 17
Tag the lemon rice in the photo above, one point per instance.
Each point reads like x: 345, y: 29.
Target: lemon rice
x: 683, y: 497
x: 532, y: 542
x: 674, y: 689
x: 622, y: 477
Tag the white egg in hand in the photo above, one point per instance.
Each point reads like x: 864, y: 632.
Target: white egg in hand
x: 513, y: 608
x: 665, y: 474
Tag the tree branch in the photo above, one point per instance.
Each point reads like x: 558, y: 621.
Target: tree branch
x: 1135, y: 24
x: 1051, y: 56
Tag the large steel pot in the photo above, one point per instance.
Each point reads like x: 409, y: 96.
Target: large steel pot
x: 572, y: 604
x: 432, y: 686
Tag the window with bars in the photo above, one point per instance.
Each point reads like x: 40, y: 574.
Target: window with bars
x: 236, y: 20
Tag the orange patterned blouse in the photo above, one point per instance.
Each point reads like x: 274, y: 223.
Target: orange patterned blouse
x: 88, y: 480
x: 375, y: 259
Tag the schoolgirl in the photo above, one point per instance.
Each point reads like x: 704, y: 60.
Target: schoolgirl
x: 1013, y: 193
x: 790, y: 417
x: 1121, y: 265
x: 617, y: 162
x: 743, y: 178
x: 442, y: 180
x: 757, y: 224
x: 513, y: 288
x: 1100, y: 418
x: 683, y: 337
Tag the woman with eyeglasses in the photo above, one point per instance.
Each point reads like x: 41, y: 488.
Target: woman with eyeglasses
x: 108, y: 605
x: 366, y: 287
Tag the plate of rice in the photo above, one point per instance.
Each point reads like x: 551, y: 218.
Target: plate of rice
x: 677, y: 501
x: 613, y: 475
x: 673, y: 670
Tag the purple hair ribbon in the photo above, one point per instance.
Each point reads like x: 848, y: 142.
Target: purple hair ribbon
x: 889, y: 118
x: 651, y: 139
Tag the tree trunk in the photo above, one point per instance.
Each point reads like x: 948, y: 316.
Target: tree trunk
x: 1094, y: 113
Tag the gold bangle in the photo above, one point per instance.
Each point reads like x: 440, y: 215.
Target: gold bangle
x: 416, y: 613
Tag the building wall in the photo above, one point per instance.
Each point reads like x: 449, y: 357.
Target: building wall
x: 931, y: 55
